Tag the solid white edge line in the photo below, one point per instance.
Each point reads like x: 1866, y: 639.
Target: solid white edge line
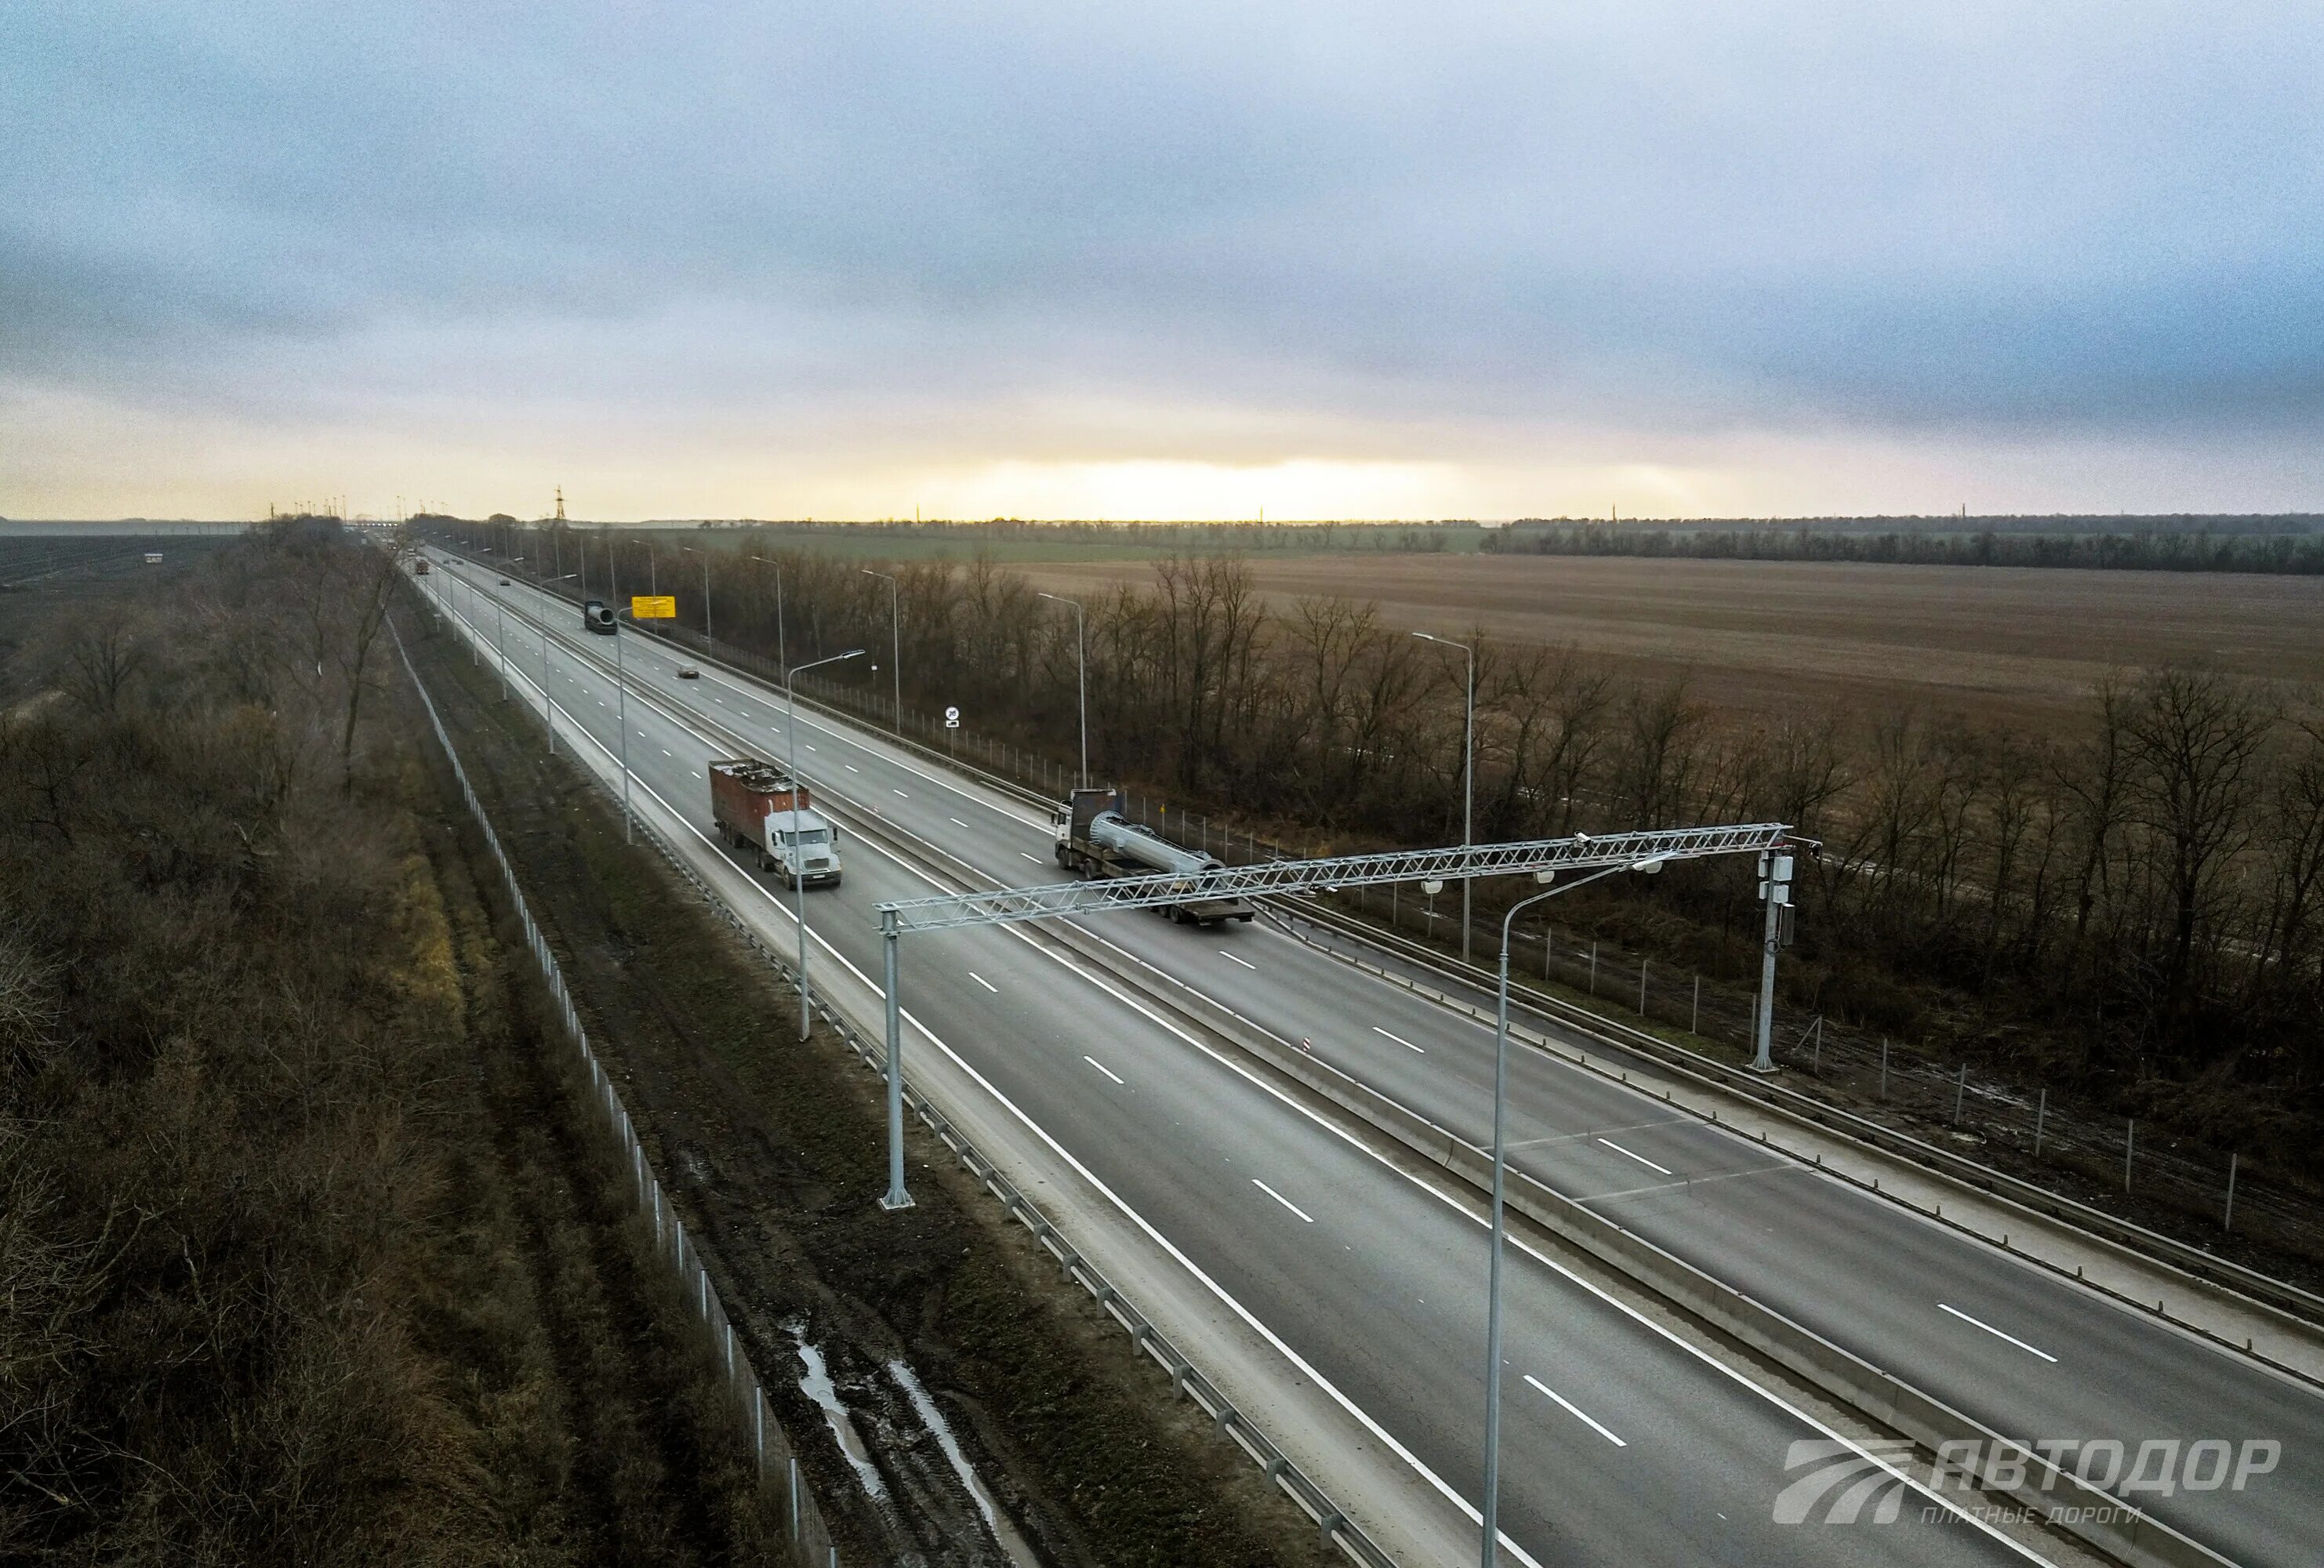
x: 1329, y: 1389
x: 1279, y: 1198
x: 1249, y: 1319
x: 1997, y: 1333
x: 1641, y: 1158
x: 1576, y: 1411
x: 1102, y: 1068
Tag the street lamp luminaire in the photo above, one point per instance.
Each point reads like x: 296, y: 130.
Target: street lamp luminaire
x: 1468, y: 776
x: 896, y: 637
x: 1492, y: 1506
x: 1081, y: 665
x: 798, y: 879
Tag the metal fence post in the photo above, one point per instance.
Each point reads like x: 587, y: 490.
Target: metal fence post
x: 1694, y: 1018
x: 1961, y: 1091
x: 2229, y: 1223
x: 2041, y: 1116
x: 1642, y: 988
x: 2129, y: 1146
x: 1884, y: 1067
x: 1594, y: 966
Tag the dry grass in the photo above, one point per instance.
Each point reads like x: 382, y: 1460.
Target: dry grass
x: 1996, y: 642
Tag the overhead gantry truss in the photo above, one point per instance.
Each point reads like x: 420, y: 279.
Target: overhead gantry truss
x: 1582, y: 852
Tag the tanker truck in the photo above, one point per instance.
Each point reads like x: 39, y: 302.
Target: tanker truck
x: 759, y: 807
x: 1095, y: 840
x: 597, y: 617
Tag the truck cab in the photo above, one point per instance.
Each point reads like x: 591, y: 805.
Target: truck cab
x: 804, y: 846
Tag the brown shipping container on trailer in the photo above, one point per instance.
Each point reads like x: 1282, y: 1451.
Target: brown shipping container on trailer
x: 744, y: 790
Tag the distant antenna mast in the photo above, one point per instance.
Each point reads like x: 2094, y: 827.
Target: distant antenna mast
x: 560, y: 503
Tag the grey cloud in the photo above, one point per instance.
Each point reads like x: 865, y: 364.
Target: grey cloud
x: 2100, y: 216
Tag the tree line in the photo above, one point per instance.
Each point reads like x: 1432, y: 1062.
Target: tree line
x: 2151, y: 550
x: 274, y: 1283
x: 2136, y: 893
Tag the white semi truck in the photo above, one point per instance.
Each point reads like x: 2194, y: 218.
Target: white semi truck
x: 1095, y: 840
x: 756, y: 805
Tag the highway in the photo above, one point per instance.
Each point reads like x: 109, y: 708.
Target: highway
x: 1376, y: 1281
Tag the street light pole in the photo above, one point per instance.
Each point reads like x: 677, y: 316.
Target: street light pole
x: 782, y: 649
x: 706, y: 634
x: 1080, y: 664
x: 621, y: 717
x: 895, y: 636
x: 548, y: 702
x: 1492, y: 1506
x: 799, y: 881
x: 1467, y: 778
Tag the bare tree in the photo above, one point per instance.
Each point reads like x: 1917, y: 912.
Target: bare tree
x: 106, y: 655
x: 2198, y: 738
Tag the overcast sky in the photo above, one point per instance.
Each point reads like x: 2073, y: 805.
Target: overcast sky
x: 1326, y: 260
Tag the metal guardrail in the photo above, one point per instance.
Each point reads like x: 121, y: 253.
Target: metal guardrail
x: 2153, y: 1246
x: 2279, y: 1296
x: 808, y: 1537
x: 1187, y: 1381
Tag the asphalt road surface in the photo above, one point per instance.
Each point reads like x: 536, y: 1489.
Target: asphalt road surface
x: 1620, y: 1443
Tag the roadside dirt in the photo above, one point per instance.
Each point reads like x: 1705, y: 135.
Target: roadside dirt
x: 634, y: 1455
x: 773, y: 1150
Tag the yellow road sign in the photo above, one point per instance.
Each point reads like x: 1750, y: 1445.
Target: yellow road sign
x: 653, y: 607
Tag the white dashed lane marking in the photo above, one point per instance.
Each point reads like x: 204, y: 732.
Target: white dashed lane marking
x: 1641, y: 1158
x: 1279, y: 1198
x: 1400, y: 1040
x: 1232, y: 959
x: 1997, y: 1333
x: 980, y: 979
x: 1102, y: 1068
x: 1575, y: 1411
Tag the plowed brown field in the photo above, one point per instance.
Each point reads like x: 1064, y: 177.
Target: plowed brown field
x: 1997, y: 642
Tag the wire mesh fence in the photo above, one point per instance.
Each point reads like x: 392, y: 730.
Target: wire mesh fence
x: 805, y: 1531
x: 2111, y: 1161
x: 777, y: 1457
